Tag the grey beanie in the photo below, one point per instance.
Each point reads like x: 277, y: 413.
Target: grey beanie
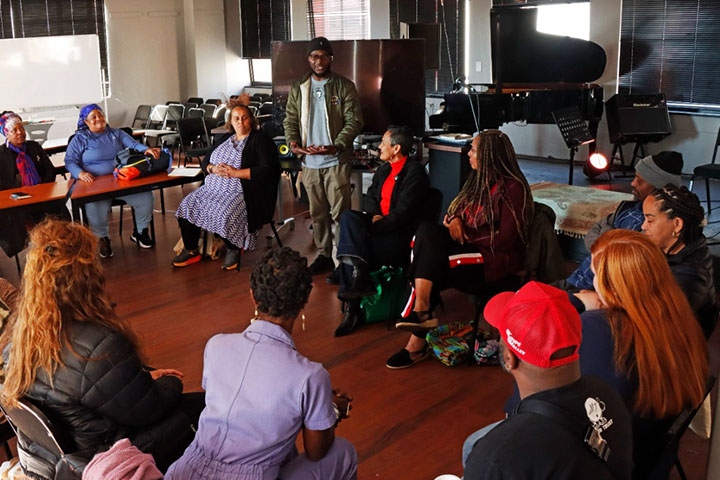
x: 661, y: 168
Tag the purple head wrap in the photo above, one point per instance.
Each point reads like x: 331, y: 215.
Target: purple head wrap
x: 84, y: 112
x: 7, y: 120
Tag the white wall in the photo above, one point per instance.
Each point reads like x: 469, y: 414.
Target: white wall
x: 144, y: 55
x: 210, y: 52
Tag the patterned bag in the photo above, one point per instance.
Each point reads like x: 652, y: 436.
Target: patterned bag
x: 450, y: 343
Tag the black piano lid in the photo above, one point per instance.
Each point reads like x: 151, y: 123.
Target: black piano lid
x: 521, y: 54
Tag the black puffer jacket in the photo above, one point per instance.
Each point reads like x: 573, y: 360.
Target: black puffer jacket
x: 692, y: 268
x: 104, y: 394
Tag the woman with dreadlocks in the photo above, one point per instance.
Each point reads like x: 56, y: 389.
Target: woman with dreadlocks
x: 674, y: 220
x: 483, y: 238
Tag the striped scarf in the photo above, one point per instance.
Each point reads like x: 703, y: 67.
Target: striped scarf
x: 25, y: 165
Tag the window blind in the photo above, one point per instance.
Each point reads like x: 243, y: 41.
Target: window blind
x: 671, y: 46
x: 450, y: 14
x: 339, y: 19
x: 44, y: 18
x: 263, y: 21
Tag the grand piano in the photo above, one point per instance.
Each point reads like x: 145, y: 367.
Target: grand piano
x: 534, y: 74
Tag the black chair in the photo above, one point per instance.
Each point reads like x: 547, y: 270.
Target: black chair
x: 194, y: 139
x: 208, y: 109
x: 170, y: 102
x: 142, y: 114
x: 709, y: 170
x: 39, y: 445
x: 214, y: 101
x: 197, y: 100
x: 188, y: 106
x: 195, y: 112
x: 669, y: 455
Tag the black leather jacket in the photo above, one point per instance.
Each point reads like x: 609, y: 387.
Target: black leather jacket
x: 692, y: 268
x: 103, y: 394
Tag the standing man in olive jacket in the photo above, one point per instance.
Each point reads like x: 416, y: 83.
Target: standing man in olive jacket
x: 322, y: 118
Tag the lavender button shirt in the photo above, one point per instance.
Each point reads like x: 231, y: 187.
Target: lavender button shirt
x: 260, y: 393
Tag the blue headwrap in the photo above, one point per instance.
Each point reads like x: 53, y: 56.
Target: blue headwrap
x: 5, y: 119
x: 84, y: 112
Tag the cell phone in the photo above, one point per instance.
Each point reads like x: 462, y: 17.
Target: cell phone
x: 20, y: 196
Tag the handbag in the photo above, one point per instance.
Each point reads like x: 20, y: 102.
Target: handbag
x: 130, y: 164
x: 391, y: 292
x: 450, y: 343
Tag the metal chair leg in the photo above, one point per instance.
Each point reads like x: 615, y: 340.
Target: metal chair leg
x: 275, y: 232
x: 17, y: 263
x: 707, y: 193
x: 122, y: 207
x: 680, y: 470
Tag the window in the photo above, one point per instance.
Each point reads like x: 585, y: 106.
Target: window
x: 339, y: 19
x: 671, y: 46
x: 569, y: 19
x: 450, y: 14
x: 45, y: 18
x: 263, y: 21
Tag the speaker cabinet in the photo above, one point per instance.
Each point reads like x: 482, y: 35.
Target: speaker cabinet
x: 637, y: 118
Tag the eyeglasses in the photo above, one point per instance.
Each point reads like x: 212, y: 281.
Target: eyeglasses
x: 315, y: 57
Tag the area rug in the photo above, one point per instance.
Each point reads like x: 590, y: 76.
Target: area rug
x: 577, y: 208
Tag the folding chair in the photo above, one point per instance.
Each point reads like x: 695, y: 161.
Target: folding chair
x: 39, y: 449
x: 194, y: 139
x: 142, y: 114
x: 197, y: 100
x: 708, y: 171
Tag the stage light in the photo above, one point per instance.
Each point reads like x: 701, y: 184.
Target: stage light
x: 596, y: 164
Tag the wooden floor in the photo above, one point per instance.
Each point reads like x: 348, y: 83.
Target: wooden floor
x: 407, y: 424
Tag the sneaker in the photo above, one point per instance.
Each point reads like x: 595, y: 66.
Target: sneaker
x: 334, y: 277
x: 322, y: 264
x: 405, y: 359
x: 105, y: 248
x: 351, y: 321
x: 143, y: 239
x: 417, y: 322
x: 186, y: 257
x: 232, y: 259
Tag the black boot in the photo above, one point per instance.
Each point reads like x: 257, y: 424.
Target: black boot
x: 351, y: 320
x: 360, y: 284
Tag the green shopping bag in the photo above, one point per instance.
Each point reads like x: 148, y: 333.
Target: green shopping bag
x: 391, y: 293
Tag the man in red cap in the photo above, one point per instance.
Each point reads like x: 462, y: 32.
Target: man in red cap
x: 566, y: 426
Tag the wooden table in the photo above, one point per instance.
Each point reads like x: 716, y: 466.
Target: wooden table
x: 56, y: 145
x: 41, y: 193
x: 107, y: 186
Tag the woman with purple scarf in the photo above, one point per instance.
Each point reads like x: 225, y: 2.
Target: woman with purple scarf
x: 91, y: 153
x: 23, y: 163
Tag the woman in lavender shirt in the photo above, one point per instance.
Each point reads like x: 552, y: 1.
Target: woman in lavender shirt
x: 260, y: 393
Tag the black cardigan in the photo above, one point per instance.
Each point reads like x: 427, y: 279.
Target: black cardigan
x: 260, y: 156
x: 411, y: 187
x: 9, y: 171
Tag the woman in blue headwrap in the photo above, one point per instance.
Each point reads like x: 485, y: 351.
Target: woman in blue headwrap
x: 91, y: 152
x: 23, y: 163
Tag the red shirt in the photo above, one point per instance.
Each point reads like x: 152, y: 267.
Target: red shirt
x: 389, y: 185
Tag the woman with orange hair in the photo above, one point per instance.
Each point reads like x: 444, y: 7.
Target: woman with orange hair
x: 70, y: 355
x: 640, y: 335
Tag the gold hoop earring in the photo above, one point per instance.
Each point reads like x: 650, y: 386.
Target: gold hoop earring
x: 303, y: 322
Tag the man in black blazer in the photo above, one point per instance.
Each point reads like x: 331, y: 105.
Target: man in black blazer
x: 382, y: 232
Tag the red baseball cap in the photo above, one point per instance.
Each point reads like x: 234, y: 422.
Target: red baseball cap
x: 535, y: 322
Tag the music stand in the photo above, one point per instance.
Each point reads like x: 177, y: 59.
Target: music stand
x: 574, y: 130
